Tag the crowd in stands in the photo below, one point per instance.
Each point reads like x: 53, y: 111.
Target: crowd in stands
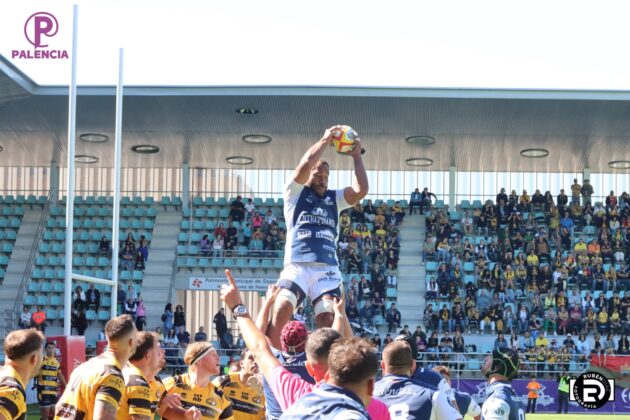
x: 131, y: 256
x: 246, y: 227
x: 526, y: 266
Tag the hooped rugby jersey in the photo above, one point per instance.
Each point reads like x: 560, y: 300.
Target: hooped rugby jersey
x: 501, y: 403
x: 48, y: 377
x: 296, y: 364
x: 98, y: 379
x: 212, y: 403
x: 141, y: 397
x: 12, y: 394
x: 247, y: 402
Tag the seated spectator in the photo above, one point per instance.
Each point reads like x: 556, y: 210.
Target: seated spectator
x: 127, y: 258
x: 500, y: 342
x: 425, y: 197
x: 93, y: 297
x: 201, y: 335
x: 217, y: 246
x: 38, y: 320
x: 25, y: 318
x: 104, y: 247
x: 237, y: 210
x: 78, y: 298
x: 131, y: 307
x: 415, y: 200
x: 204, y: 246
x: 270, y: 219
x: 139, y: 261
x: 131, y: 293
x: 130, y: 241
x: 378, y: 303
x: 393, y: 318
x: 367, y: 314
x: 79, y: 321
x: 352, y: 311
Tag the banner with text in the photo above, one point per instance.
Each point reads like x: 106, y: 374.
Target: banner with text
x: 548, y: 396
x: 246, y: 284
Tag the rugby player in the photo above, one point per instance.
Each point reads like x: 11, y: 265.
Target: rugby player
x: 501, y: 401
x: 47, y: 382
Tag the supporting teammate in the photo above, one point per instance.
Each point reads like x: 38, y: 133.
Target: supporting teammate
x: 23, y: 358
x: 47, y: 382
x: 286, y: 386
x: 96, y: 386
x: 406, y: 398
x: 145, y: 394
x: 501, y: 401
x: 311, y: 212
x: 248, y: 402
x: 194, y: 387
x: 466, y: 404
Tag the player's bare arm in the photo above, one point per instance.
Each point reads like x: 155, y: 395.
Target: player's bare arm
x: 104, y: 410
x: 312, y: 155
x: 254, y: 339
x: 360, y: 187
x: 262, y: 320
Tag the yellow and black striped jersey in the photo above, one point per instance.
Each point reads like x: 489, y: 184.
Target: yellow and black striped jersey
x: 12, y: 394
x: 99, y: 379
x: 48, y: 377
x: 247, y: 402
x: 141, y: 397
x: 212, y: 403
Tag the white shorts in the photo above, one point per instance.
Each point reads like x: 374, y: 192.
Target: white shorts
x: 309, y: 280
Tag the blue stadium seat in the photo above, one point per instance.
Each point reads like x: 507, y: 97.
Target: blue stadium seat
x: 33, y: 287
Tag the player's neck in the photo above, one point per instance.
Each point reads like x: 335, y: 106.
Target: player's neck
x: 243, y: 377
x: 118, y: 355
x: 198, y: 378
x: 496, y: 378
x: 145, y: 369
x: 23, y: 372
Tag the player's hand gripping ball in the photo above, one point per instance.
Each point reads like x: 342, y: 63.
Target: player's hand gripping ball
x: 344, y: 139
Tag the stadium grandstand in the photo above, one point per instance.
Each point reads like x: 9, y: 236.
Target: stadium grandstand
x: 522, y: 243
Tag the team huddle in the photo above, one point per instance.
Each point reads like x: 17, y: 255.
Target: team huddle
x: 287, y: 372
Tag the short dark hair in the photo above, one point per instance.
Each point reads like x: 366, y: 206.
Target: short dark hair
x: 20, y: 344
x: 397, y: 356
x: 319, y: 343
x: 117, y: 328
x: 145, y: 342
x: 352, y: 361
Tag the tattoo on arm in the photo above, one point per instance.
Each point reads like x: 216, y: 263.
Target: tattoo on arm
x: 104, y: 410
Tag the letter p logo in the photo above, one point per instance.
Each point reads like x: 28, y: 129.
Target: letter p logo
x: 40, y: 24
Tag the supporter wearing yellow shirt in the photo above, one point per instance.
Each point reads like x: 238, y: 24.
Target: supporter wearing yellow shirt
x: 580, y: 247
x: 532, y: 259
x: 248, y: 401
x: 602, y: 319
x: 541, y: 340
x: 96, y: 386
x: 22, y: 359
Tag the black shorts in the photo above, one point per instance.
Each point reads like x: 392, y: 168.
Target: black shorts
x: 46, y: 400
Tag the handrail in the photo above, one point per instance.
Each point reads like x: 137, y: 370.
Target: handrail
x: 29, y: 263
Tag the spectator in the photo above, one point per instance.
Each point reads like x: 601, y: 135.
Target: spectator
x: 131, y: 293
x: 426, y: 199
x: 130, y: 242
x: 127, y: 258
x: 143, y: 248
x: 167, y: 317
x: 217, y: 246
x: 586, y: 191
x: 367, y: 314
x: 39, y: 319
x: 170, y: 346
x: 93, y: 297
x: 179, y: 319
x: 25, y: 318
x: 299, y: 315
x: 533, y: 388
x: 104, y: 248
x: 249, y: 209
x: 415, y: 200
x: 78, y: 298
x: 220, y: 323
x: 576, y: 190
x: 131, y: 307
x: 201, y: 335
x: 141, y: 314
x: 204, y: 245
x: 79, y: 321
x: 237, y: 209
x: 393, y: 318
x: 139, y: 261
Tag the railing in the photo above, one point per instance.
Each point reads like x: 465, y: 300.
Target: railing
x: 29, y: 264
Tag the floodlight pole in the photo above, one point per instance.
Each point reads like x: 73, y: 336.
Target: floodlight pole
x: 117, y: 170
x: 72, y: 120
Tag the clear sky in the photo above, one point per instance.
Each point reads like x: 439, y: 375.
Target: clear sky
x: 549, y: 44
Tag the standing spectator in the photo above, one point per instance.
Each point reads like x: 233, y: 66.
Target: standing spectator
x: 79, y: 321
x: 587, y: 192
x: 141, y: 314
x: 563, y: 391
x: 220, y: 323
x: 231, y: 237
x: 237, y: 209
x: 533, y: 388
x: 93, y: 297
x: 167, y: 317
x: 393, y: 318
x: 130, y: 241
x: 39, y: 320
x: 25, y: 318
x: 415, y: 200
x: 179, y: 319
x: 143, y: 248
x: 425, y: 197
x: 104, y: 248
x: 576, y: 190
x: 131, y: 293
x: 201, y: 335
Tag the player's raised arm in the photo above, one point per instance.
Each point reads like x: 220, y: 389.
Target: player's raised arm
x: 254, y: 339
x: 312, y: 155
x: 360, y: 187
x: 262, y: 320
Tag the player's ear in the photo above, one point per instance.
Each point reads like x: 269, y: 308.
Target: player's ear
x: 382, y: 365
x: 413, y: 367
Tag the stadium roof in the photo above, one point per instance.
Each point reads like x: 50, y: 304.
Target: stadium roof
x: 474, y: 129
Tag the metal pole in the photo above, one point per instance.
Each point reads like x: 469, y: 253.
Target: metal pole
x: 117, y: 158
x: 72, y: 120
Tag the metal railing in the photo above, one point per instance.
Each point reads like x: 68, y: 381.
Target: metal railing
x: 29, y: 264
